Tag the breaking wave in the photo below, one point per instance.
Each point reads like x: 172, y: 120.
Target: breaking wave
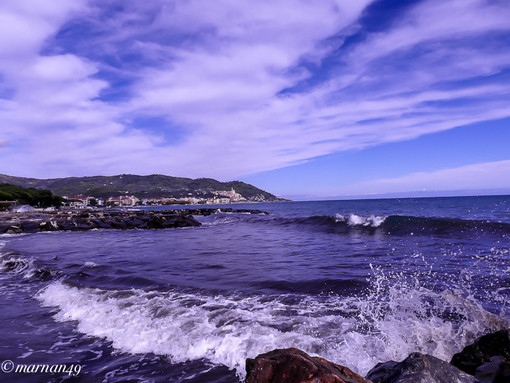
x: 387, y: 322
x: 399, y: 225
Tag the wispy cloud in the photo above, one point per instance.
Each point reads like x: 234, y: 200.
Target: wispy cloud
x: 486, y: 176
x: 246, y: 86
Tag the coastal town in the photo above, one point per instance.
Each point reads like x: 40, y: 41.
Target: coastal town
x: 218, y: 197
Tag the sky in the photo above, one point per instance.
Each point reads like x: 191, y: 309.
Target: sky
x: 305, y: 99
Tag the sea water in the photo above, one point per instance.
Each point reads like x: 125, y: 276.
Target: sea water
x: 357, y: 282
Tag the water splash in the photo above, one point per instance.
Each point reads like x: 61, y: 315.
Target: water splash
x: 358, y: 220
x: 396, y: 316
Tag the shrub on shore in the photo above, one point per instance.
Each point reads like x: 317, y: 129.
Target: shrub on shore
x: 29, y: 196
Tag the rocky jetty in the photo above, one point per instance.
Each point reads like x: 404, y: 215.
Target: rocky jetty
x: 295, y: 366
x: 487, y: 360
x: 32, y: 222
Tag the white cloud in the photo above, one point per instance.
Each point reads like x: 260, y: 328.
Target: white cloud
x: 216, y: 72
x: 488, y: 175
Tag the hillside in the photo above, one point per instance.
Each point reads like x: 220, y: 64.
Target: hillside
x: 140, y: 186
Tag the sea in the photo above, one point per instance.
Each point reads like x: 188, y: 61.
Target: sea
x: 357, y: 282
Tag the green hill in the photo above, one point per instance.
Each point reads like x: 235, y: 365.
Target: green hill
x: 151, y: 186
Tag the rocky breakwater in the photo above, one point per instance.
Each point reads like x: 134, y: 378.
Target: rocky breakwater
x: 487, y: 360
x: 32, y: 222
x: 88, y: 220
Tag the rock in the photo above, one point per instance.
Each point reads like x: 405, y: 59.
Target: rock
x: 100, y: 224
x: 67, y: 225
x: 482, y: 350
x: 419, y: 368
x: 295, y: 366
x: 119, y: 224
x: 30, y: 226
x: 134, y: 222
x: 14, y: 229
x: 381, y: 371
x: 156, y: 223
x: 497, y: 370
x: 48, y: 226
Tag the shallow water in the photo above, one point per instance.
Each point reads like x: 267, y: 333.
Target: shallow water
x: 357, y: 282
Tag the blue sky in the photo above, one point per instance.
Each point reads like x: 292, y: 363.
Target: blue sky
x: 305, y: 99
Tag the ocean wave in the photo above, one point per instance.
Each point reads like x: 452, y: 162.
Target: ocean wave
x: 25, y: 267
x: 398, y: 225
x: 391, y: 320
x: 358, y: 220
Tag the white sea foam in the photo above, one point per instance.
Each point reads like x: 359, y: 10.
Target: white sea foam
x: 18, y: 265
x: 358, y: 220
x: 390, y: 322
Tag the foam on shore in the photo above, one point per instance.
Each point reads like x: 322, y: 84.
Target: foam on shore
x: 388, y: 323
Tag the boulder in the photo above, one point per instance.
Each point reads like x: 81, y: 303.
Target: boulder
x: 156, y: 223
x: 101, y: 224
x: 48, y: 226
x: 295, y: 366
x: 66, y: 225
x: 497, y: 370
x: 14, y: 229
x: 488, y: 356
x: 30, y: 226
x: 419, y: 368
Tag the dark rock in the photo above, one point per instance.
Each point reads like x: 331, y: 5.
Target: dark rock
x: 482, y: 350
x: 381, y: 371
x: 495, y: 371
x: 295, y: 366
x: 14, y: 229
x: 419, y: 368
x: 503, y: 375
x: 30, y: 227
x: 134, y: 222
x: 191, y: 221
x: 49, y: 226
x: 3, y: 228
x: 84, y: 226
x: 67, y: 225
x: 118, y: 224
x: 156, y: 223
x: 101, y: 224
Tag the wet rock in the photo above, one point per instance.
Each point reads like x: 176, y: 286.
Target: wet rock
x: 295, y: 366
x: 381, y: 371
x: 48, y: 226
x: 14, y: 229
x: 419, y: 368
x: 482, y: 350
x: 497, y: 370
x: 101, y: 224
x: 156, y: 223
x: 134, y: 222
x: 119, y: 224
x: 67, y: 225
x: 30, y: 227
